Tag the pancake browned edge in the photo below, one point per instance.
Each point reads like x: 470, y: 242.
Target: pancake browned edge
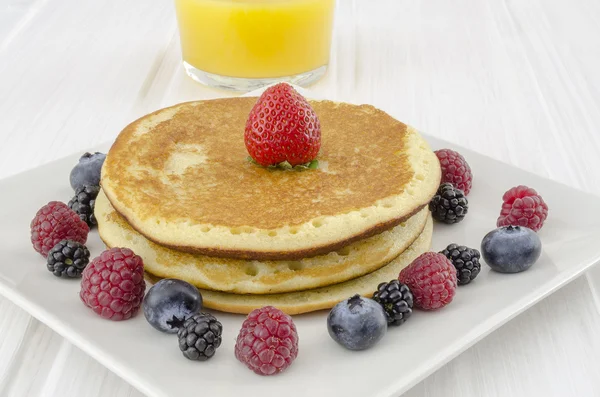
x: 388, y: 176
x: 319, y: 298
x: 259, y: 277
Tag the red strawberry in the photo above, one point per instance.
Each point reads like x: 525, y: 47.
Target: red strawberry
x: 282, y: 126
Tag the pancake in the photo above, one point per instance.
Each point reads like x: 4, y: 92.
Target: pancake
x: 259, y: 277
x: 180, y: 176
x: 320, y: 298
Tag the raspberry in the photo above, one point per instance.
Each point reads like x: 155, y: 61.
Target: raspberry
x: 455, y: 170
x: 523, y: 206
x: 267, y: 342
x: 113, y: 284
x: 432, y: 280
x: 53, y: 223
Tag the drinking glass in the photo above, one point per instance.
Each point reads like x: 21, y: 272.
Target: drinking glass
x: 246, y: 44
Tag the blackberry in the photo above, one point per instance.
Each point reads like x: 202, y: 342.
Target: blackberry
x: 397, y: 301
x: 83, y: 203
x: 465, y: 260
x: 449, y: 205
x: 200, y: 336
x: 68, y: 258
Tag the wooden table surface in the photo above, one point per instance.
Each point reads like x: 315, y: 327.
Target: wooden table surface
x: 516, y: 80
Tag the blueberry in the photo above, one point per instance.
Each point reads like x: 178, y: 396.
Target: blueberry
x: 169, y: 303
x: 357, y: 323
x: 87, y: 171
x: 511, y: 249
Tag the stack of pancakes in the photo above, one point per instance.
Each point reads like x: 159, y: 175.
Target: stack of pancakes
x: 179, y: 190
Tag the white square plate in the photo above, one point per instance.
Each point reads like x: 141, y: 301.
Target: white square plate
x: 152, y: 362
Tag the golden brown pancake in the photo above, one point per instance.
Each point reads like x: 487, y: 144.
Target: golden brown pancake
x: 180, y: 176
x: 319, y: 298
x: 259, y: 277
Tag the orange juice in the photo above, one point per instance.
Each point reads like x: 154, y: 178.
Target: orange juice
x: 255, y: 39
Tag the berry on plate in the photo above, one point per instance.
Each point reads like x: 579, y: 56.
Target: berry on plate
x: 169, y: 303
x: 357, y: 323
x: 87, y: 170
x: 113, y: 284
x: 200, y: 337
x: 455, y: 169
x: 396, y: 300
x: 53, y: 223
x: 83, y: 203
x: 282, y: 126
x: 268, y: 341
x: 523, y: 206
x: 68, y: 259
x: 465, y: 260
x: 449, y: 205
x: 511, y: 249
x: 432, y: 280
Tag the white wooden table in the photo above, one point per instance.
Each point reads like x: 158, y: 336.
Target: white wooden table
x: 516, y: 80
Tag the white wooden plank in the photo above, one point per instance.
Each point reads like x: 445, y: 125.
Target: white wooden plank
x: 71, y: 78
x: 14, y: 17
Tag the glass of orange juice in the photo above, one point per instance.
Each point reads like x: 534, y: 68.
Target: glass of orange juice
x: 246, y: 44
